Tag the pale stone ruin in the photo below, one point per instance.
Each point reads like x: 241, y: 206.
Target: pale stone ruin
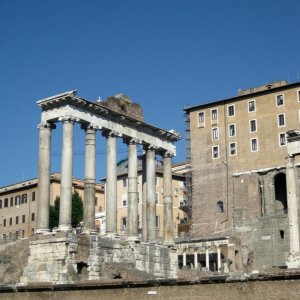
x: 63, y: 257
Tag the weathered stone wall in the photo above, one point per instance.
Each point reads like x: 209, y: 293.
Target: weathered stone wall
x: 153, y: 258
x: 258, y: 290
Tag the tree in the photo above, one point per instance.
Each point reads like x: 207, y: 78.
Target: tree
x: 77, y: 211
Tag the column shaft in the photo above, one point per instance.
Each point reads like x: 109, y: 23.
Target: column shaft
x: 144, y: 202
x: 151, y: 199
x: 184, y: 258
x: 207, y: 259
x: 65, y: 209
x: 111, y: 185
x: 196, y: 258
x: 219, y: 258
x: 132, y: 208
x: 44, y: 178
x: 168, y: 201
x: 292, y: 204
x: 90, y: 179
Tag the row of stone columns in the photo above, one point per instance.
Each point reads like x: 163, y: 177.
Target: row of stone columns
x: 196, y: 252
x: 149, y: 192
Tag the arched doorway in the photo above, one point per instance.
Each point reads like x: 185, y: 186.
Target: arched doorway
x: 280, y: 193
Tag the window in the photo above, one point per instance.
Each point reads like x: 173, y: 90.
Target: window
x: 124, y: 182
x: 32, y: 217
x: 279, y: 100
x: 252, y: 124
x: 156, y: 198
x: 214, y: 115
x: 215, y: 152
x: 0, y: 203
x: 17, y: 200
x: 232, y: 130
x: 124, y: 200
x: 282, y: 139
x: 220, y: 207
x: 17, y: 220
x: 123, y: 223
x: 32, y: 231
x: 254, y: 145
x: 6, y: 202
x: 298, y: 94
x: 24, y: 198
x: 10, y: 221
x: 33, y: 196
x: 281, y: 120
x: 232, y: 148
x: 230, y: 110
x: 11, y: 201
x: 4, y: 222
x: 23, y: 233
x: 23, y: 218
x: 201, y: 119
x: 157, y: 221
x: 251, y: 106
x: 215, y: 134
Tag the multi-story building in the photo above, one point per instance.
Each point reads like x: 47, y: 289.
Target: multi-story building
x: 179, y: 197
x: 18, y: 205
x: 238, y: 151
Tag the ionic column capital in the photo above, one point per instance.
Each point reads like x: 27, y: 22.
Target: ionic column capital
x: 131, y: 141
x: 68, y: 119
x: 49, y: 125
x: 90, y: 126
x: 111, y: 133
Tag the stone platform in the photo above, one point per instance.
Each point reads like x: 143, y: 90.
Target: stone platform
x: 68, y: 258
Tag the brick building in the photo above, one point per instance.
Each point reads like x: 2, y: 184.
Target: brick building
x: 18, y: 205
x: 238, y: 151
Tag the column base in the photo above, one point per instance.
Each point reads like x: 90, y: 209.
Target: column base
x: 293, y: 261
x: 64, y: 228
x: 112, y: 235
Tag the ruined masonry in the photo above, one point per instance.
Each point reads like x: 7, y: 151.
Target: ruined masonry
x: 63, y: 257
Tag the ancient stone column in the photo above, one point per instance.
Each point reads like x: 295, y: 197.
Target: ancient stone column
x: 144, y: 197
x: 132, y: 207
x: 151, y: 196
x: 168, y: 200
x: 196, y: 258
x: 207, y: 258
x: 292, y: 205
x: 65, y: 208
x: 44, y: 177
x: 184, y: 258
x: 218, y: 258
x: 90, y: 178
x: 111, y: 183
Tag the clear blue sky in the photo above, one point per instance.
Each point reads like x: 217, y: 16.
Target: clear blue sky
x: 164, y: 54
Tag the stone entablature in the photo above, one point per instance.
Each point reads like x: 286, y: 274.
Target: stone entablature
x: 101, y: 117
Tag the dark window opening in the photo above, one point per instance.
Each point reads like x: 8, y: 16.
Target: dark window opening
x: 281, y: 234
x: 280, y: 193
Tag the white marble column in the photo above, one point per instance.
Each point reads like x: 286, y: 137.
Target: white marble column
x: 196, y: 258
x: 44, y: 177
x: 90, y: 178
x: 184, y: 258
x: 168, y: 200
x: 144, y: 197
x: 111, y: 183
x: 218, y: 258
x: 151, y: 195
x: 132, y: 207
x: 207, y: 258
x: 292, y: 205
x: 65, y: 207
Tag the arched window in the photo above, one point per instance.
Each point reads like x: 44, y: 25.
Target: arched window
x: 220, y: 207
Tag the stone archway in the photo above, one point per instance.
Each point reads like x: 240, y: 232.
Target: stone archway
x: 280, y: 193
